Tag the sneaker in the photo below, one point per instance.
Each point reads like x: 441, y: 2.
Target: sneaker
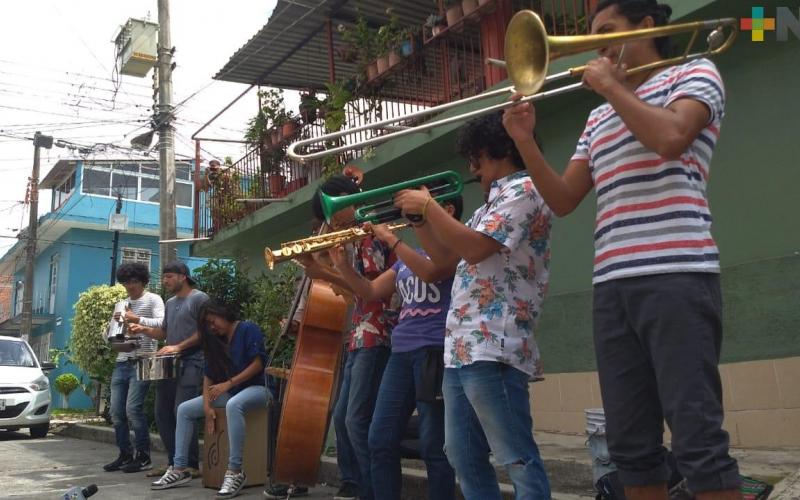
x: 232, y: 484
x: 171, y: 478
x: 122, y: 460
x: 157, y: 471
x: 140, y: 463
x: 347, y: 491
x: 282, y: 491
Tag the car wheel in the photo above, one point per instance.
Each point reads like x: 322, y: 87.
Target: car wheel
x: 39, y: 431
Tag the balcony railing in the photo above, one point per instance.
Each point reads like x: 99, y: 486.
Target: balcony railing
x: 435, y: 68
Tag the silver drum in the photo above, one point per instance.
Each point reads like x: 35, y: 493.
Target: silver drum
x: 157, y: 367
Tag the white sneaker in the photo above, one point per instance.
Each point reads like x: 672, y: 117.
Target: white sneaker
x: 171, y: 478
x: 232, y: 484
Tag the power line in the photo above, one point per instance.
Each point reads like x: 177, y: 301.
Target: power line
x: 30, y: 110
x: 68, y: 72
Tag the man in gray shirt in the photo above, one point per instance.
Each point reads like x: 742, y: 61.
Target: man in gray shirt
x: 127, y: 393
x: 180, y: 331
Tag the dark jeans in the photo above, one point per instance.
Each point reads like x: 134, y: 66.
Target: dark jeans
x: 657, y: 340
x: 352, y: 415
x: 127, y: 402
x: 170, y: 394
x: 396, y: 403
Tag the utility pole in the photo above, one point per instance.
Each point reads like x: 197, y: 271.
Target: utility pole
x: 39, y: 141
x: 166, y: 138
x: 115, y: 246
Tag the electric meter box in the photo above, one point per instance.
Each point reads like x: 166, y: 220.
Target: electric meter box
x: 137, y: 47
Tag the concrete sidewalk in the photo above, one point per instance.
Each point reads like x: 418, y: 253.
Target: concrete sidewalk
x: 38, y: 469
x: 566, y: 458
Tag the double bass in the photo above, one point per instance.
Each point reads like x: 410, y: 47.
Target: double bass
x: 311, y: 382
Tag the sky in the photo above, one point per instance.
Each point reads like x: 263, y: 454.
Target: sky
x: 56, y: 71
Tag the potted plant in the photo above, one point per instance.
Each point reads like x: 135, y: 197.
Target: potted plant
x: 435, y: 23
x: 406, y: 41
x: 362, y: 38
x: 288, y: 125
x: 388, y: 40
x: 309, y: 106
x: 454, y: 13
x: 469, y: 6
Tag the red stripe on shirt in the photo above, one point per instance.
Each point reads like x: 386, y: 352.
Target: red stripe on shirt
x: 673, y: 200
x: 651, y: 247
x: 636, y: 165
x: 629, y: 166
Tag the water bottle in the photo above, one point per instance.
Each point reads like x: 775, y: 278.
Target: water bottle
x: 78, y: 493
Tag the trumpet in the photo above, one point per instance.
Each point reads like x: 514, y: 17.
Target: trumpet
x: 529, y: 51
x: 293, y: 249
x: 443, y: 186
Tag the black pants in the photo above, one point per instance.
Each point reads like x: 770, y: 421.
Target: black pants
x: 169, y: 394
x: 657, y: 340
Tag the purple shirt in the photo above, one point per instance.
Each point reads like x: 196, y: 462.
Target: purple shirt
x: 423, y: 312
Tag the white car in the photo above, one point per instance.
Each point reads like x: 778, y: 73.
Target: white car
x: 24, y: 388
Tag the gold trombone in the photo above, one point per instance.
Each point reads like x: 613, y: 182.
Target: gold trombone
x: 529, y: 51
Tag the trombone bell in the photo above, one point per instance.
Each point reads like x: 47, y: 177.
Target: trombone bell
x: 527, y: 52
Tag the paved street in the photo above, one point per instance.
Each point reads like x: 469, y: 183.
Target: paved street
x: 45, y: 468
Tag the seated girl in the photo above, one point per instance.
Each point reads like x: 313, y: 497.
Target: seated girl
x: 234, y: 379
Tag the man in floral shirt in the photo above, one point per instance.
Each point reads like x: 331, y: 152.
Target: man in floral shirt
x: 490, y: 349
x: 368, y: 348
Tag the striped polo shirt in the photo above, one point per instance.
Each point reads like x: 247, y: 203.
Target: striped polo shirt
x: 652, y: 213
x: 150, y: 309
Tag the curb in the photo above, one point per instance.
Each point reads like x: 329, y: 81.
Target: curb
x: 563, y: 474
x: 100, y: 434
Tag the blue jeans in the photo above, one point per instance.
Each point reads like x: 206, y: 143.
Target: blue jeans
x: 249, y: 398
x: 396, y: 402
x: 487, y: 409
x: 127, y: 401
x: 353, y: 413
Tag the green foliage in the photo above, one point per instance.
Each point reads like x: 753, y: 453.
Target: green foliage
x: 225, y: 282
x: 271, y: 297
x: 65, y: 384
x: 389, y: 35
x: 88, y: 347
x: 272, y: 114
x: 336, y: 104
x: 362, y: 38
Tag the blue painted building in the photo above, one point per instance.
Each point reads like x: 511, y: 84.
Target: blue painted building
x: 74, y: 243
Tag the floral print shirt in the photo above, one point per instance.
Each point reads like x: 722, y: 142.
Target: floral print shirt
x: 372, y: 321
x: 496, y: 303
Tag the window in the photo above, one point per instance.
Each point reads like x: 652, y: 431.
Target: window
x: 133, y: 255
x: 97, y: 181
x: 15, y: 353
x: 20, y: 294
x: 41, y: 346
x: 124, y: 182
x: 53, y: 282
x: 135, y: 181
x: 63, y: 191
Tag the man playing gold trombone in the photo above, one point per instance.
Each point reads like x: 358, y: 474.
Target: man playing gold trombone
x: 657, y: 302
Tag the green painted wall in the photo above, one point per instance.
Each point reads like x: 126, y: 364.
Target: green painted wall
x: 753, y: 193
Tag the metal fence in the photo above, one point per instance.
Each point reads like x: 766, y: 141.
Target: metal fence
x: 433, y: 68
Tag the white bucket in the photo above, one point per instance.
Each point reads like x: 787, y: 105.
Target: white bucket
x: 595, y: 421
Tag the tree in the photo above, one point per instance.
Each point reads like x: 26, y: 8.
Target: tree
x: 269, y: 304
x: 225, y: 282
x: 88, y: 347
x: 65, y: 384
